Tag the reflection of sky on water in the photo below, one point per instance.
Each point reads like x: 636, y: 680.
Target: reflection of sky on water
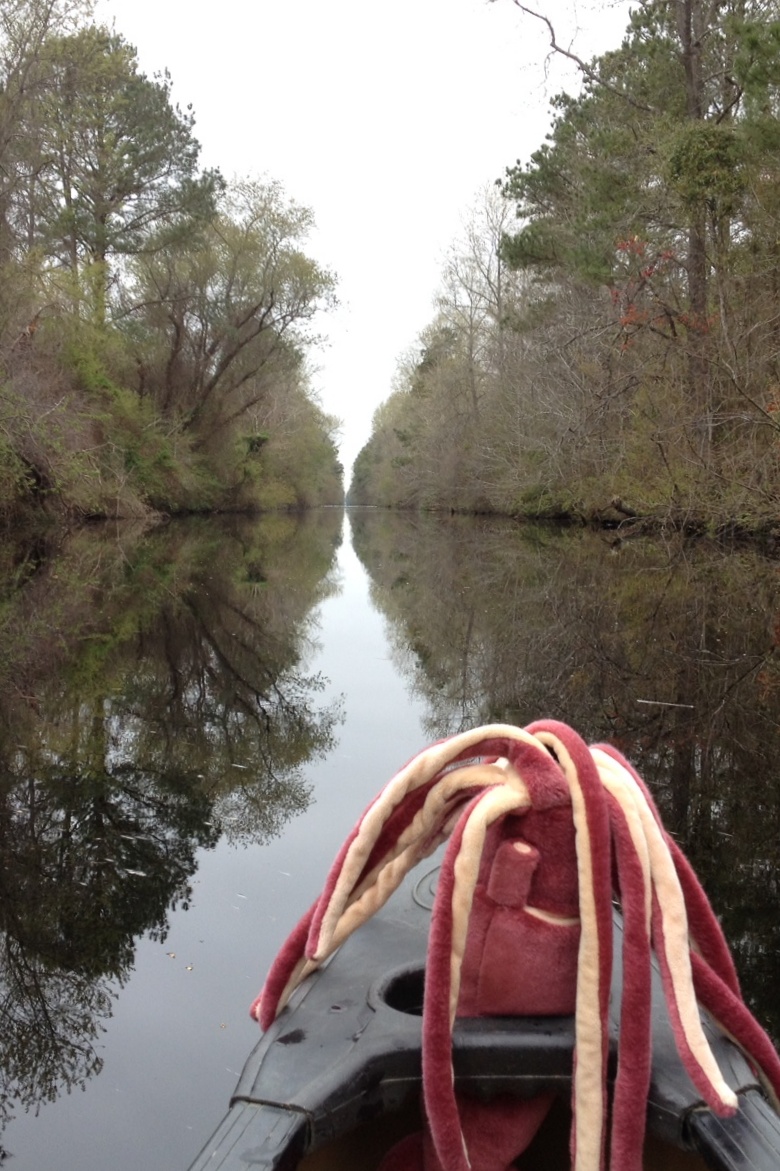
x: 179, y: 1037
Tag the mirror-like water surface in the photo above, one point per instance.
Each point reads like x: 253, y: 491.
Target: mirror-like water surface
x: 192, y: 718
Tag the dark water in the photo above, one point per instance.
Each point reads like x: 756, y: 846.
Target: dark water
x: 191, y: 719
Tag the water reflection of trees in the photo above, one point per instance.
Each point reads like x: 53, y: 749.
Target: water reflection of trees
x: 668, y: 649
x: 153, y: 696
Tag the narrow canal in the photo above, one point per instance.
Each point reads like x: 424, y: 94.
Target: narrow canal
x: 192, y: 718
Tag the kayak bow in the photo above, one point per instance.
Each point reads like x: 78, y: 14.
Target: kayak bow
x: 347, y: 1050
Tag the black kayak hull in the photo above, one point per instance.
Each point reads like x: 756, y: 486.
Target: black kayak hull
x: 347, y: 1050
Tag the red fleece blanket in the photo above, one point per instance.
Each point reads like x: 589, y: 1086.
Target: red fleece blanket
x: 543, y: 831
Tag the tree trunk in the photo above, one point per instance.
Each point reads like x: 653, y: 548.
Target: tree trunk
x: 690, y: 29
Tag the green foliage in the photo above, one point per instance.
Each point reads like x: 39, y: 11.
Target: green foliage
x: 294, y: 467
x: 215, y: 321
x: 632, y: 353
x: 113, y: 160
x: 91, y: 352
x: 150, y: 315
x: 14, y: 476
x: 706, y: 165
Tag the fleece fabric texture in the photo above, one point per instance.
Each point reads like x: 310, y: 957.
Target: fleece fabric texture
x: 542, y: 833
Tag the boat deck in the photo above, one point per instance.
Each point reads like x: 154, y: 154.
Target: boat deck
x: 347, y: 1049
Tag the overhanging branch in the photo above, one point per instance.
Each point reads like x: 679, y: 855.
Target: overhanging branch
x: 586, y: 70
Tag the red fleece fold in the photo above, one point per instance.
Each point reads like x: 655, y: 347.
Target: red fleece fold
x: 705, y: 928
x: 634, y: 1058
x: 438, y: 1086
x: 265, y: 1006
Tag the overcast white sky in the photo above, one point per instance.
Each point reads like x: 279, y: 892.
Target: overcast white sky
x: 385, y: 119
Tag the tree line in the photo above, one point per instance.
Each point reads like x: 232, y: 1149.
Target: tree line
x: 606, y: 340
x: 154, y: 318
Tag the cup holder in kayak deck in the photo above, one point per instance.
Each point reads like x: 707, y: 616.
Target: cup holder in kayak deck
x: 402, y: 990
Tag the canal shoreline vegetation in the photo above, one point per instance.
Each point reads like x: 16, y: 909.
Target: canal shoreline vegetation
x: 605, y: 345
x: 155, y: 318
